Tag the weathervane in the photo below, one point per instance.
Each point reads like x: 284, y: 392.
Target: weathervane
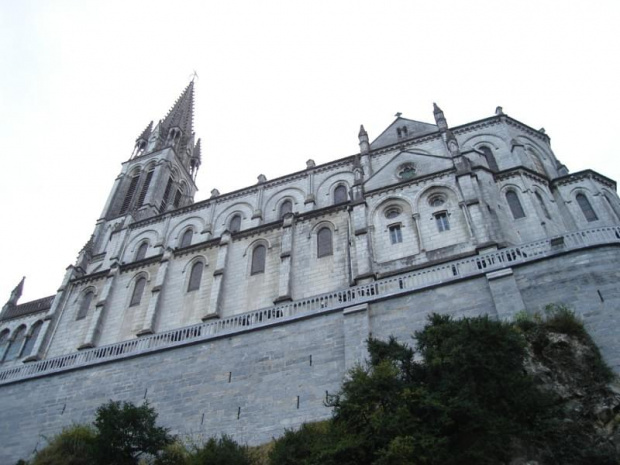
x: 194, y: 75
x: 398, y: 114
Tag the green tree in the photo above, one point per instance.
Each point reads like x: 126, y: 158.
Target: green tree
x: 464, y: 400
x: 125, y: 432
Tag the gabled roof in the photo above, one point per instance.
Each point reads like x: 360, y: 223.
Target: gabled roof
x: 412, y: 129
x: 27, y: 308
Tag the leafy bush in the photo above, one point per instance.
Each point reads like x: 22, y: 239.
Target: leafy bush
x: 72, y: 446
x: 220, y: 451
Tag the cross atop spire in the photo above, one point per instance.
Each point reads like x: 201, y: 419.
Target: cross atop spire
x: 181, y: 115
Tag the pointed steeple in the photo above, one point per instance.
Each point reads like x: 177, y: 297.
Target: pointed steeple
x: 181, y: 115
x: 146, y: 133
x: 142, y: 140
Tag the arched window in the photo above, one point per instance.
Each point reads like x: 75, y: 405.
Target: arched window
x: 612, y: 204
x: 542, y: 204
x: 138, y: 290
x: 258, y: 259
x: 286, y: 207
x: 145, y: 188
x: 186, y: 240
x: 489, y: 157
x: 235, y: 224
x: 515, y: 205
x: 32, y: 339
x: 4, y: 337
x: 538, y: 164
x: 195, y: 277
x: 324, y: 242
x: 141, y: 253
x: 85, y: 305
x: 586, y: 207
x: 340, y: 194
x: 15, y: 346
x: 131, y: 190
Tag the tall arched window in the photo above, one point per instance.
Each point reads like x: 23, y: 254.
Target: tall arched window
x: 141, y: 253
x: 340, y: 194
x: 538, y: 164
x: 515, y: 205
x: 85, y: 305
x: 4, y: 338
x: 131, y: 190
x: 186, y: 240
x: 612, y: 204
x: 195, y: 276
x: 586, y: 207
x: 258, y: 259
x: 286, y: 207
x: 235, y: 224
x: 32, y: 339
x: 145, y: 188
x: 324, y: 242
x: 15, y: 346
x: 489, y: 157
x: 138, y: 290
x: 542, y: 204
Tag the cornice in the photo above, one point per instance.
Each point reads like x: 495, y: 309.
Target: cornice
x: 519, y: 171
x: 585, y: 174
x: 410, y: 182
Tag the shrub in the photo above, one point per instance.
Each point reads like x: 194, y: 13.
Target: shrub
x: 72, y: 446
x: 220, y: 451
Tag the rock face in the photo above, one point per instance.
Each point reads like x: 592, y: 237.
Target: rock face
x: 568, y: 366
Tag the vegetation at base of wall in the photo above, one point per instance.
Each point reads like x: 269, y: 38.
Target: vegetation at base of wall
x: 473, y: 391
x: 121, y: 434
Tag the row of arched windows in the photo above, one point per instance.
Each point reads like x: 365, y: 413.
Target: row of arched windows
x: 20, y: 343
x: 234, y: 224
x: 512, y: 198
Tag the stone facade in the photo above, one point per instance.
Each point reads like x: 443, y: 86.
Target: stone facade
x: 238, y: 313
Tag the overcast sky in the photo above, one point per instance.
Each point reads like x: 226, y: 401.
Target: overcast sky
x: 279, y: 82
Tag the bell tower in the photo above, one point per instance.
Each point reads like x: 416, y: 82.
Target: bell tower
x: 161, y: 172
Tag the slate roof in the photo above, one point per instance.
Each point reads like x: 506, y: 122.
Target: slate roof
x: 35, y: 306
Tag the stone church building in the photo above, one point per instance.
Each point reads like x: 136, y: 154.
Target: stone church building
x: 240, y: 313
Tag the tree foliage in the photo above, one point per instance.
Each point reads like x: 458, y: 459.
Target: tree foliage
x: 125, y: 432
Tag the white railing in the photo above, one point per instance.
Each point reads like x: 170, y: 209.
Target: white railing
x: 382, y: 288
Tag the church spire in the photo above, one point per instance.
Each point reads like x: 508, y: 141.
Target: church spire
x: 181, y: 115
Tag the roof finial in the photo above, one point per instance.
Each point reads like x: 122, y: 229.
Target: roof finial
x: 193, y: 76
x: 440, y: 119
x: 398, y: 113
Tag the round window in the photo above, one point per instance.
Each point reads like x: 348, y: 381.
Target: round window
x: 436, y: 200
x: 406, y: 171
x: 392, y: 212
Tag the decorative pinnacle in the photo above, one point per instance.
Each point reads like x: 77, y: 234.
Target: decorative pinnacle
x: 196, y: 153
x: 362, y: 131
x: 440, y: 119
x: 146, y: 133
x: 181, y: 115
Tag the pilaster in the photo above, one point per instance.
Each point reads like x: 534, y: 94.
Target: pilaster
x: 217, y: 289
x: 284, y: 282
x: 152, y: 312
x: 96, y: 322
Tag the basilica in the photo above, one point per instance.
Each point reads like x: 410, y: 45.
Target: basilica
x: 239, y: 313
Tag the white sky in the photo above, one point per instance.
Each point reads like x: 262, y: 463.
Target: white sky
x: 279, y: 82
